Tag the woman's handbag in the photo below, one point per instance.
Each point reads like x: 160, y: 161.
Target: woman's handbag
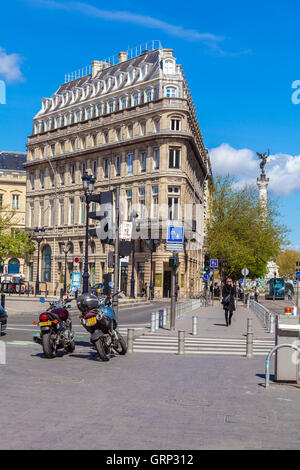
x: 226, y: 300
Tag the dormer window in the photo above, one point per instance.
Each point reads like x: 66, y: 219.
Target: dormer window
x: 169, y: 68
x: 170, y: 92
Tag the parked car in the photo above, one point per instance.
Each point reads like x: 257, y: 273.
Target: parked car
x: 3, y: 320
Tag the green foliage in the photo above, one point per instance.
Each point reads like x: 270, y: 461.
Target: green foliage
x: 240, y: 231
x: 18, y: 243
x: 286, y: 262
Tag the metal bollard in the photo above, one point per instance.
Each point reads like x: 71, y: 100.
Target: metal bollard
x: 153, y: 322
x: 181, y: 335
x: 161, y: 318
x: 130, y: 336
x: 3, y: 301
x: 194, y: 325
x: 249, y: 345
x: 164, y: 317
x: 156, y: 320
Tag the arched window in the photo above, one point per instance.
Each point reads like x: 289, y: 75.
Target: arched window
x: 13, y: 266
x: 46, y: 264
x: 169, y: 67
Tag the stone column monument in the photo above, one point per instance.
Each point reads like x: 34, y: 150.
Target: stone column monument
x: 263, y: 181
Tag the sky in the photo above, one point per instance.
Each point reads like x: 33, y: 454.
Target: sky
x: 241, y: 61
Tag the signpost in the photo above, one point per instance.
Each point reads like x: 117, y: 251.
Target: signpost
x: 175, y: 239
x: 297, y: 287
x: 245, y: 273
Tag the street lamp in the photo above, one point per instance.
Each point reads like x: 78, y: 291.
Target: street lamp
x: 134, y: 216
x: 151, y: 244
x: 38, y: 240
x: 88, y: 182
x: 274, y: 292
x: 66, y: 251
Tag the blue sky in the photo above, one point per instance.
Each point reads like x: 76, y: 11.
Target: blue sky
x: 240, y: 60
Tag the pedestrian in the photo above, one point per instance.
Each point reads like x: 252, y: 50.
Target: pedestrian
x: 228, y: 293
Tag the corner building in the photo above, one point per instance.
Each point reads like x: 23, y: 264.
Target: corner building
x: 131, y: 124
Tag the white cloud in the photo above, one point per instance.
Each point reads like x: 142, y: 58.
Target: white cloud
x: 210, y: 40
x: 283, y: 170
x: 10, y: 66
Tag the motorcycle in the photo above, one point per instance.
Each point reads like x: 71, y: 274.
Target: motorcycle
x: 56, y: 328
x: 99, y: 319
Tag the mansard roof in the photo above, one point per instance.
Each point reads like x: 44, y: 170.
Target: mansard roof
x: 151, y: 58
x: 12, y: 160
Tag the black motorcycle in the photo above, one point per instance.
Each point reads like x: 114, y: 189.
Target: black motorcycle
x: 56, y: 328
x: 98, y: 318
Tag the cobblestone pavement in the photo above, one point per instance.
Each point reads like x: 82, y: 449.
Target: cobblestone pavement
x: 143, y: 401
x: 148, y: 401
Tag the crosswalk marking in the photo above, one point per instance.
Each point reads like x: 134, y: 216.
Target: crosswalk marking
x: 214, y: 346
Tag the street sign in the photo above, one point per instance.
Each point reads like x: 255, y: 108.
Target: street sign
x: 214, y: 263
x: 295, y: 283
x: 206, y: 276
x: 174, y: 246
x: 76, y: 260
x: 75, y: 281
x: 241, y: 281
x: 175, y: 234
x: 245, y: 272
x: 297, y: 274
x: 126, y: 231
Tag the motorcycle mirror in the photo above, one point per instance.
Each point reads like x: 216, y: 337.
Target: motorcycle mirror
x: 42, y: 300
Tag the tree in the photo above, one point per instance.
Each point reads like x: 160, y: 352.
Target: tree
x: 241, y: 233
x: 286, y: 262
x: 13, y: 242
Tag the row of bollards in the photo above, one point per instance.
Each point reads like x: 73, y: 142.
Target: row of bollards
x: 158, y: 320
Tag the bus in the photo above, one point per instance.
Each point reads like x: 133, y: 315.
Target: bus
x: 279, y: 289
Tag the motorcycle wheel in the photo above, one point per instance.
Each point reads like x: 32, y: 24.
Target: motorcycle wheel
x: 71, y: 347
x: 48, y: 347
x: 121, y: 347
x: 102, y: 350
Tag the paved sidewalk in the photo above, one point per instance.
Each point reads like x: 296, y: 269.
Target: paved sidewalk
x: 211, y: 324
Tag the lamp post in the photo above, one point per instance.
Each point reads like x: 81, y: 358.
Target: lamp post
x: 38, y: 240
x: 134, y: 216
x: 66, y: 251
x: 151, y: 244
x: 274, y: 292
x: 88, y: 182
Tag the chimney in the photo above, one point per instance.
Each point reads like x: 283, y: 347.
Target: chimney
x: 98, y: 65
x: 122, y: 56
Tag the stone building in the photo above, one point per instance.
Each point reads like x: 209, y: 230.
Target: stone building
x: 130, y: 122
x: 13, y: 198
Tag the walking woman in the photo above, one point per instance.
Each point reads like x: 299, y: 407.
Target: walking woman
x: 228, y: 293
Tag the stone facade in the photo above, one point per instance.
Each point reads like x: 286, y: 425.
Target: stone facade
x: 132, y: 124
x: 13, y: 197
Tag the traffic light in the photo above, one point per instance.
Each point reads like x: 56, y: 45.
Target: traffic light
x: 106, y: 287
x: 174, y: 261
x: 206, y: 262
x: 104, y: 230
x: 111, y: 259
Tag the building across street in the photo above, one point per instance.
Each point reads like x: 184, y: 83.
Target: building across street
x: 130, y: 124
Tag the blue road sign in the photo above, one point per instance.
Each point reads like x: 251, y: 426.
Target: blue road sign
x: 214, y: 263
x: 295, y: 283
x: 75, y: 281
x: 206, y: 276
x: 297, y: 274
x: 241, y: 281
x: 175, y: 234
